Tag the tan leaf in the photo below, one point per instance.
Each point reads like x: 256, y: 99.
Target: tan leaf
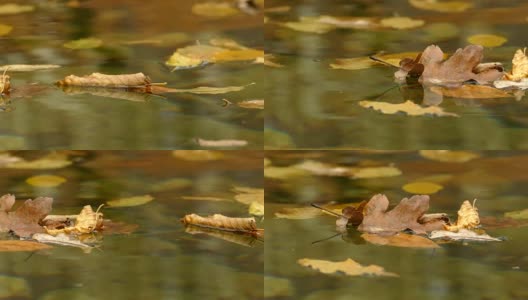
x: 5, y: 84
x: 201, y: 90
x: 24, y: 221
x: 130, y: 201
x: 449, y: 155
x: 221, y: 222
x: 13, y: 8
x: 51, y: 161
x: 468, y: 217
x: 442, y: 5
x: 348, y: 267
x: 400, y: 240
x: 298, y: 213
x: 401, y: 22
x: 17, y: 246
x: 237, y: 55
x: 252, y: 104
x: 471, y: 92
x: 221, y: 143
x: 408, y: 107
x: 309, y: 25
x: 374, y: 172
x: 519, y: 66
x: 348, y: 22
x: 462, y: 235
x: 487, y: 40
x: 27, y: 68
x: 214, y: 9
x: 247, y: 195
x: 103, y: 80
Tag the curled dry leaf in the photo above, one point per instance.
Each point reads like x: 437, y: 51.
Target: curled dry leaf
x: 519, y: 66
x: 348, y: 267
x: 19, y: 246
x: 221, y: 222
x: 109, y: 81
x: 449, y: 156
x: 468, y: 217
x: 24, y: 221
x: 87, y: 221
x: 406, y: 215
x: 408, y: 107
x: 400, y: 240
x: 462, y: 235
x: 5, y: 84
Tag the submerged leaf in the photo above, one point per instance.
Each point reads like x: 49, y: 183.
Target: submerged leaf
x: 359, y: 63
x: 408, y: 107
x: 519, y: 214
x: 374, y: 172
x: 421, y: 187
x: 348, y: 267
x: 45, y: 180
x: 130, y: 201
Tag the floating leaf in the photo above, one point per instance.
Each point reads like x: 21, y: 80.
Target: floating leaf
x: 468, y: 217
x: 19, y: 246
x: 359, y: 63
x: 86, y: 43
x: 309, y: 25
x: 247, y: 195
x: 408, y: 107
x: 13, y: 8
x: 104, y: 80
x: 374, y: 172
x: 256, y: 208
x: 519, y: 66
x: 421, y: 187
x: 346, y: 22
x: 449, y: 155
x: 462, y: 235
x: 130, y: 201
x: 24, y: 221
x: 238, y: 55
x: 298, y: 213
x: 323, y: 169
x: 27, y: 68
x: 284, y: 173
x: 221, y: 143
x: 400, y: 240
x: 471, y: 92
x: 519, y: 214
x: 214, y: 9
x: 51, y: 161
x: 5, y: 29
x: 171, y: 184
x: 45, y: 180
x: 348, y: 266
x: 198, y: 155
x: 441, y: 5
x: 252, y: 104
x: 201, y: 90
x: 522, y: 84
x: 87, y: 221
x: 487, y: 40
x: 60, y: 239
x: 401, y: 22
x: 220, y: 222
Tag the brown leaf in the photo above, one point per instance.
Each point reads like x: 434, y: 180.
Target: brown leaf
x: 404, y: 216
x: 410, y: 67
x: 400, y: 240
x: 17, y: 246
x: 348, y: 266
x: 353, y: 214
x: 220, y: 222
x: 460, y: 67
x: 24, y: 221
x: 109, y: 81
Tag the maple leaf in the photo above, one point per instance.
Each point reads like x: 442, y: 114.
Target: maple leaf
x: 406, y: 215
x: 24, y: 221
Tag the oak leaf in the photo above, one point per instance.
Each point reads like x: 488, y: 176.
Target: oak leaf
x: 348, y: 267
x: 24, y: 221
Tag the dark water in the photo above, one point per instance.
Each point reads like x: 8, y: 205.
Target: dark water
x: 314, y: 106
x: 157, y: 261
x: 137, y: 36
x: 454, y: 271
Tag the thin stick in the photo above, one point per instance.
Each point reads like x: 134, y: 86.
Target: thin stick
x: 374, y: 58
x: 327, y: 210
x: 326, y: 239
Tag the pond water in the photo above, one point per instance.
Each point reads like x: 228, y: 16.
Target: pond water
x: 456, y: 270
x: 137, y: 36
x: 312, y: 105
x: 159, y: 260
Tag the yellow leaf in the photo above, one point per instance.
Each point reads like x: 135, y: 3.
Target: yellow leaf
x: 249, y: 195
x: 181, y: 61
x: 375, y: 172
x: 284, y: 173
x: 519, y: 66
x: 86, y: 43
x: 408, y: 107
x: 402, y: 22
x: 5, y: 29
x: 45, y: 180
x: 48, y: 162
x: 87, y: 221
x: 348, y: 266
x: 238, y: 55
x: 12, y: 8
x: 441, y: 5
x: 422, y: 187
x: 400, y: 240
x: 449, y: 155
x: 519, y: 214
x: 471, y: 91
x: 309, y: 25
x: 203, y: 198
x: 256, y: 208
x: 214, y: 9
x: 487, y: 40
x: 130, y: 201
x: 468, y: 217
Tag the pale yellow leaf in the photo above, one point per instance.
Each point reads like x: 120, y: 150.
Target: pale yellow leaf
x: 402, y: 22
x: 421, y: 188
x: 309, y: 25
x: 214, y: 9
x: 519, y: 214
x: 348, y: 267
x: 374, y: 172
x: 27, y: 68
x: 519, y: 66
x: 45, y: 180
x: 256, y: 208
x: 130, y: 201
x: 408, y: 107
x: 86, y: 43
x: 252, y: 104
x: 221, y: 143
x: 449, y: 155
x: 13, y: 8
x: 487, y: 40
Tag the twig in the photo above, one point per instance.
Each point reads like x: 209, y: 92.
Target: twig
x: 326, y: 239
x: 327, y: 210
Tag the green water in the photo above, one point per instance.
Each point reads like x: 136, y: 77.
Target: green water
x: 454, y: 271
x: 48, y: 118
x: 157, y: 261
x: 313, y: 106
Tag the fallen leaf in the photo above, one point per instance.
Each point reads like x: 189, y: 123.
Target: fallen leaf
x: 347, y: 22
x: 487, y: 40
x: 421, y: 187
x: 198, y: 155
x: 267, y: 60
x: 45, y: 180
x: 352, y: 215
x: 468, y: 217
x: 60, y: 239
x: 519, y: 214
x: 348, y: 267
x: 252, y: 104
x: 401, y: 22
x: 109, y: 81
x: 13, y: 8
x: 5, y: 84
x: 171, y: 184
x: 221, y: 143
x: 471, y: 92
x: 408, y: 107
x: 85, y: 43
x: 5, y: 29
x: 237, y: 55
x: 309, y: 25
x: 248, y: 195
x: 204, y: 198
x: 130, y: 201
x: 256, y: 208
x: 323, y: 169
x: 462, y: 235
x: 441, y: 5
x: 359, y: 63
x: 374, y: 172
x: 519, y: 66
x: 220, y: 222
x: 449, y: 155
x: 51, y: 161
x: 87, y: 221
x: 298, y: 213
x: 400, y: 240
x: 521, y: 84
x: 284, y: 173
x: 27, y: 68
x: 404, y: 216
x: 19, y: 246
x: 24, y: 221
x: 201, y: 90
x: 214, y: 9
